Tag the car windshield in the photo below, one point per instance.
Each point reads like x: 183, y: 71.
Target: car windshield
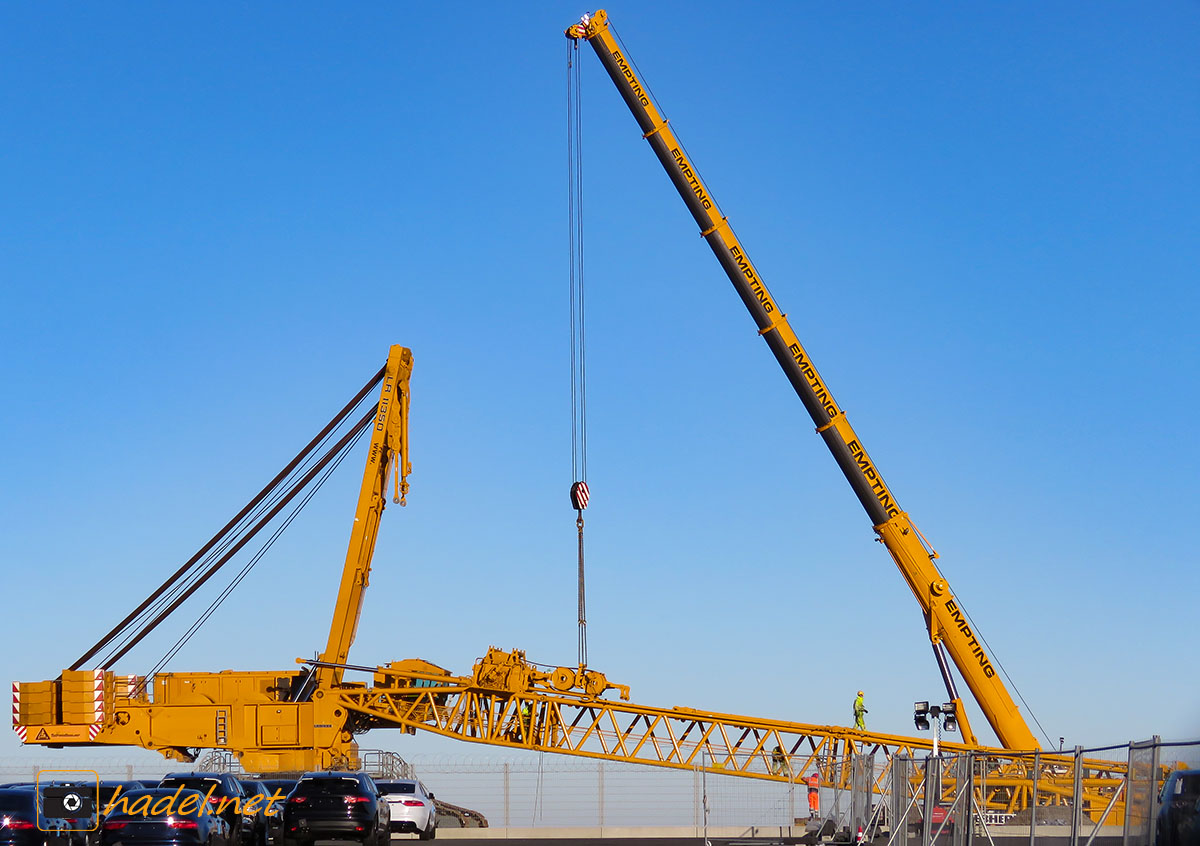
x: 397, y: 787
x: 329, y: 786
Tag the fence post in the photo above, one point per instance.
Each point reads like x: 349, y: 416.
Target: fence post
x: 1155, y: 794
x: 899, y: 811
x: 968, y: 806
x: 506, y: 795
x: 933, y: 778
x: 1077, y: 797
x: 1033, y: 796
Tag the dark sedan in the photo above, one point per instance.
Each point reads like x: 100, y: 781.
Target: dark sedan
x: 336, y: 806
x: 19, y: 821
x: 224, y: 794
x: 164, y: 816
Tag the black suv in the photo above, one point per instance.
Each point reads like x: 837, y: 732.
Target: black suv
x: 336, y: 806
x: 222, y: 786
x: 19, y: 821
x: 1180, y: 811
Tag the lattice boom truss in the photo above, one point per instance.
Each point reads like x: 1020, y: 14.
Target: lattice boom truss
x: 684, y: 738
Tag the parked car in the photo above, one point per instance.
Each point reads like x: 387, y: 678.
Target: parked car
x: 413, y: 809
x: 336, y: 806
x: 109, y: 789
x: 182, y: 824
x: 1180, y: 803
x: 222, y: 786
x: 280, y: 785
x: 19, y: 821
x: 258, y: 832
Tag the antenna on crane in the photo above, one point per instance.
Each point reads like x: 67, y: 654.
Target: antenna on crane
x: 579, y: 486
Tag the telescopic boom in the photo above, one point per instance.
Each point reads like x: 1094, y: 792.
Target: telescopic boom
x: 946, y: 621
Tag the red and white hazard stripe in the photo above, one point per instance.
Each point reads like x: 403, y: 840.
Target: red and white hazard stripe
x: 20, y: 730
x: 16, y: 703
x: 98, y: 696
x: 93, y: 730
x: 579, y: 495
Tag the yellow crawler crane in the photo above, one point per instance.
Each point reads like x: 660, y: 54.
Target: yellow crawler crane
x: 307, y: 719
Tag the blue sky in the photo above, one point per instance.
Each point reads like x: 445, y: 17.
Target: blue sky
x: 982, y: 221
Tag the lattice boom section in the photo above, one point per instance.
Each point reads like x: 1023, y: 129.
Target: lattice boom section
x: 686, y: 739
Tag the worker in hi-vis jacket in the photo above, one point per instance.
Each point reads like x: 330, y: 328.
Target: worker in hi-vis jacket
x: 860, y: 711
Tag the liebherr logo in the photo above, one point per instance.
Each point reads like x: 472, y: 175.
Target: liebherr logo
x: 957, y: 618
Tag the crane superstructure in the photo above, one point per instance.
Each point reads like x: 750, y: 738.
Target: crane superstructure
x: 947, y: 624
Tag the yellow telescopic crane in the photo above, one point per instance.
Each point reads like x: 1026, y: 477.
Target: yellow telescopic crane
x: 948, y: 627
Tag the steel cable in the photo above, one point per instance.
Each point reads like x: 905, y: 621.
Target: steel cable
x: 579, y: 494
x: 278, y: 488
x: 203, y: 553
x: 279, y: 530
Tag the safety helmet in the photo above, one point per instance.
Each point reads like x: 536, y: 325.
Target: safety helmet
x: 860, y: 693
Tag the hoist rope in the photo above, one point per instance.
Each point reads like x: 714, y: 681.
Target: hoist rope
x: 575, y: 258
x: 579, y: 490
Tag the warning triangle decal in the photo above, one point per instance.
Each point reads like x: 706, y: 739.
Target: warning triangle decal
x: 42, y: 735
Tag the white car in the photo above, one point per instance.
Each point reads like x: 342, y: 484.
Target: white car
x: 412, y: 807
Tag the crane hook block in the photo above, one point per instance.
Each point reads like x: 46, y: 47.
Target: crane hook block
x: 579, y: 496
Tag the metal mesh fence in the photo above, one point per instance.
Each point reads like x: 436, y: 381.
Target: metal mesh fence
x: 1100, y: 796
